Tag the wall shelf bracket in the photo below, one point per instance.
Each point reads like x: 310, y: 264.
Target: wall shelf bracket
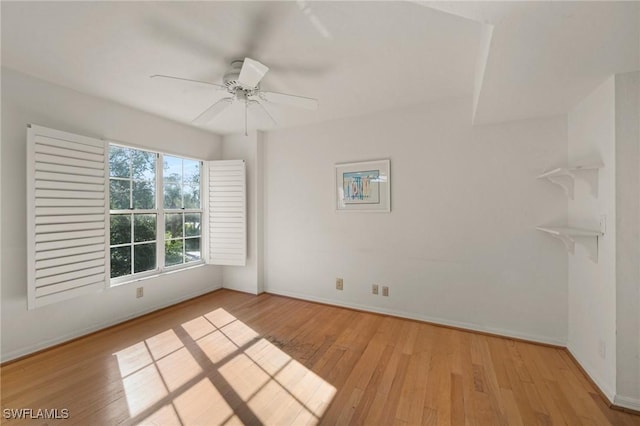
x: 565, y: 177
x: 587, y: 238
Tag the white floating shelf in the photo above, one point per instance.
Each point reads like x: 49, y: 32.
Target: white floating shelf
x: 565, y: 177
x: 570, y: 236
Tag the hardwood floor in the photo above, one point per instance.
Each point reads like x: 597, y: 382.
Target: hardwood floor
x: 232, y: 358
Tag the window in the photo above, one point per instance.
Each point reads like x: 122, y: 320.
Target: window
x: 182, y: 210
x: 147, y: 233
x: 102, y: 214
x: 133, y: 211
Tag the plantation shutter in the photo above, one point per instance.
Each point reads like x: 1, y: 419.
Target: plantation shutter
x: 67, y: 206
x: 227, y: 222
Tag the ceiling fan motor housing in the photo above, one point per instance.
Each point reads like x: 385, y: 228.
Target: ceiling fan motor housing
x: 234, y: 87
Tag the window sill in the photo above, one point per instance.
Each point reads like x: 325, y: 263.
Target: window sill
x: 156, y: 274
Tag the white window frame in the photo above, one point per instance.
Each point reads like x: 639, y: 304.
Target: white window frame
x: 160, y: 212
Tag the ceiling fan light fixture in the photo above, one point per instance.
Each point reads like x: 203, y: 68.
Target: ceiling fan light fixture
x: 242, y: 82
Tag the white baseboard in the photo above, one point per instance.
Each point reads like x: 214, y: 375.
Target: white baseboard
x: 425, y: 318
x: 96, y: 327
x: 605, y: 388
x: 241, y: 288
x: 626, y: 402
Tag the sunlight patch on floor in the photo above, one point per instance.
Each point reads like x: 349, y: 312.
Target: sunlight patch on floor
x: 306, y: 386
x: 165, y: 416
x: 239, y: 333
x: 267, y: 356
x: 212, y: 366
x: 202, y: 402
x: 178, y: 368
x: 234, y: 421
x: 216, y: 346
x: 220, y: 317
x: 284, y: 411
x: 163, y: 344
x: 245, y: 376
x: 133, y: 358
x: 143, y: 388
x: 198, y: 327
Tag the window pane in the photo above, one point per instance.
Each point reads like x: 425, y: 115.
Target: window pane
x: 143, y: 165
x: 173, y: 225
x: 172, y: 196
x: 172, y: 169
x: 144, y: 256
x: 191, y: 197
x: 192, y: 224
x: 120, y: 261
x: 119, y: 194
x: 173, y: 252
x: 144, y: 227
x: 119, y: 161
x: 192, y: 249
x: 120, y: 229
x: 144, y: 195
x: 191, y: 172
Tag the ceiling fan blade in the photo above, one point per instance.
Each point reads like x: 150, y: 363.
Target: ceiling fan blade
x: 188, y: 79
x: 290, y: 100
x: 252, y: 72
x: 259, y: 107
x: 210, y: 113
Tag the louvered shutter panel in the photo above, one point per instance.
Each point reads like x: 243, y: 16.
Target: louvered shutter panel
x: 68, y: 242
x: 227, y: 220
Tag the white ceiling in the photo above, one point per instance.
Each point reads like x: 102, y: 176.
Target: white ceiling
x: 546, y: 56
x: 543, y: 57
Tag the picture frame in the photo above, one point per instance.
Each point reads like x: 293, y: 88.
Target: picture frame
x: 363, y: 186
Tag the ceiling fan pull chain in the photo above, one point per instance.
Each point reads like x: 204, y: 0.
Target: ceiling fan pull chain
x: 246, y: 111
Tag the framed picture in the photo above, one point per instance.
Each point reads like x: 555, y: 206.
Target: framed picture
x: 363, y: 186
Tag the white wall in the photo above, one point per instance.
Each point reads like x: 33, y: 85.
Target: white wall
x: 28, y: 100
x: 249, y: 278
x: 460, y: 245
x: 627, y: 128
x: 592, y: 286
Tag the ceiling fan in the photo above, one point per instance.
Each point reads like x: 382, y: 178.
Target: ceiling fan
x: 242, y: 83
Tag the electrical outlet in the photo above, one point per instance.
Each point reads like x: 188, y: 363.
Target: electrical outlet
x: 139, y: 292
x: 385, y: 290
x: 339, y: 284
x: 374, y: 289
